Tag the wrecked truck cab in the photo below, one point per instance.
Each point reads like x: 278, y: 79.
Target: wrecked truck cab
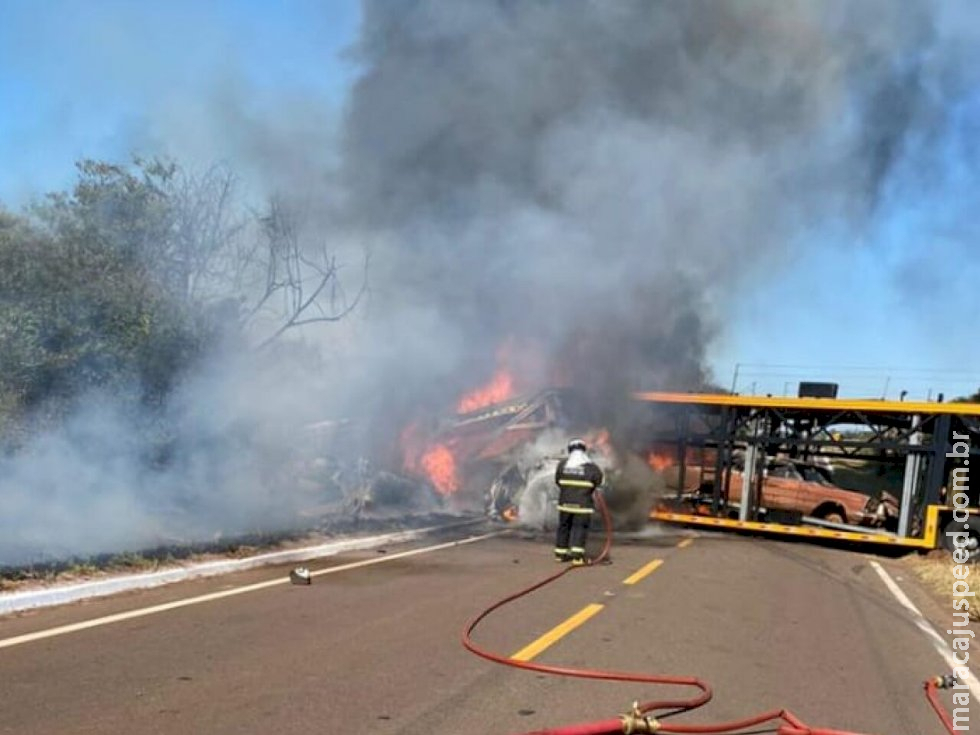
x: 501, y: 459
x: 525, y: 491
x: 484, y: 442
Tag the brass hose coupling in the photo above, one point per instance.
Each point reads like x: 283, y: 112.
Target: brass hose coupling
x: 636, y: 723
x: 945, y: 682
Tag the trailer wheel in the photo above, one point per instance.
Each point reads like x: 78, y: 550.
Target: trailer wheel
x: 973, y: 543
x: 830, y: 512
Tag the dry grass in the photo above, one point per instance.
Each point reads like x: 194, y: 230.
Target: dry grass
x: 935, y: 571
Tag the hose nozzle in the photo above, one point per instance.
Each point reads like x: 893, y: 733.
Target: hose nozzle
x: 947, y: 681
x: 636, y: 723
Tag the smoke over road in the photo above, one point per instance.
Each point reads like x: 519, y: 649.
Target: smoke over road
x: 602, y: 178
x: 598, y: 180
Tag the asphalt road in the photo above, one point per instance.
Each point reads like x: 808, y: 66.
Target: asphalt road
x: 376, y: 648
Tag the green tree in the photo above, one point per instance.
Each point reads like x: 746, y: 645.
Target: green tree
x: 972, y: 398
x: 76, y: 315
x: 122, y: 283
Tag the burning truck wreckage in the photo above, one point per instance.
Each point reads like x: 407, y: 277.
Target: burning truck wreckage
x: 494, y: 454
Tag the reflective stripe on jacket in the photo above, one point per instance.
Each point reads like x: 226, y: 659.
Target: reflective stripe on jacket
x: 576, y: 485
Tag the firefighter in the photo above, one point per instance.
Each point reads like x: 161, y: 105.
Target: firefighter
x: 577, y: 477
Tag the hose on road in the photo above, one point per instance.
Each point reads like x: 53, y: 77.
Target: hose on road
x: 931, y: 686
x: 641, y: 719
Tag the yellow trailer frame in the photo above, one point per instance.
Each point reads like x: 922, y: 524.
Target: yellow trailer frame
x: 932, y: 520
x: 820, y: 404
x: 929, y: 539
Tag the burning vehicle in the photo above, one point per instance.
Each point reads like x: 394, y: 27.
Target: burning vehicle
x: 493, y: 453
x: 470, y: 452
x: 478, y: 440
x: 500, y: 459
x: 524, y: 491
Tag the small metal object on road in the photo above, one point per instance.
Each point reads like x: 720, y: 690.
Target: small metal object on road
x: 300, y: 575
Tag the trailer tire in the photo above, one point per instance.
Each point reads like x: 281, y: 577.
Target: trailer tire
x: 830, y: 512
x: 973, y: 547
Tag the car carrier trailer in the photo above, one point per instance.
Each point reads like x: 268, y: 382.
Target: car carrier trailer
x: 932, y: 441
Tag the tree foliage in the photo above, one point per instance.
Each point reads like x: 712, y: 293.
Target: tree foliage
x: 122, y: 283
x: 77, y: 315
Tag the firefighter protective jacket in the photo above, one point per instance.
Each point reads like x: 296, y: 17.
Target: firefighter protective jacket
x: 577, y: 485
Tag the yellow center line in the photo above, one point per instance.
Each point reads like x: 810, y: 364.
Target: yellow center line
x: 643, y: 571
x: 685, y: 543
x: 557, y: 633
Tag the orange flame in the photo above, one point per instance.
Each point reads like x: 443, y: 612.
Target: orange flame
x: 509, y: 514
x: 500, y: 388
x: 659, y: 462
x: 439, y: 465
x: 436, y: 461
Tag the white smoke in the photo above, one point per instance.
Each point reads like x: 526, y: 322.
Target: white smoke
x: 602, y: 179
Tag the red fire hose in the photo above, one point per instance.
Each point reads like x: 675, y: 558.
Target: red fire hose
x: 641, y: 719
x: 931, y: 686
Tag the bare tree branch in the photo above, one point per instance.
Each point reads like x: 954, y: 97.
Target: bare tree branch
x: 301, y: 277
x: 297, y: 319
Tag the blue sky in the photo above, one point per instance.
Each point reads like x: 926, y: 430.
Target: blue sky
x: 93, y: 79
x: 84, y: 79
x: 895, y: 310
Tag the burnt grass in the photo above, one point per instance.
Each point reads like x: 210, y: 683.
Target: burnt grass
x: 320, y: 530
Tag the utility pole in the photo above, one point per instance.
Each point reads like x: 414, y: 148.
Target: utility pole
x: 735, y: 377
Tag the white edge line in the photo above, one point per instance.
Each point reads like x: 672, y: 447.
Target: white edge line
x: 940, y: 643
x: 13, y: 602
x: 143, y: 612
